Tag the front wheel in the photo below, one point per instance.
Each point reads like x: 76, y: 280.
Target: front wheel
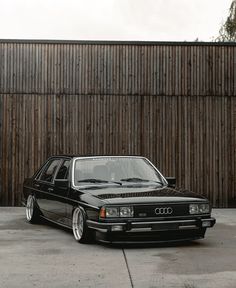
x: 80, y: 229
x: 32, y: 212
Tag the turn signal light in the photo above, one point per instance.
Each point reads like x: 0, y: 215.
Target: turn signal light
x: 102, y: 213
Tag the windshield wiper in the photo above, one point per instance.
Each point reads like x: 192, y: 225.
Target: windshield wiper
x: 94, y: 180
x: 136, y: 179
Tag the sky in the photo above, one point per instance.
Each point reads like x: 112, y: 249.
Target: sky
x: 141, y: 20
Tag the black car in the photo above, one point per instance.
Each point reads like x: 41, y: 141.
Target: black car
x: 115, y: 198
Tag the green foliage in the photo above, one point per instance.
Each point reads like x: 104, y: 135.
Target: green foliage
x: 227, y: 32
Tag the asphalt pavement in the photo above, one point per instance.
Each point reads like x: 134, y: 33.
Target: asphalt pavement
x: 43, y: 255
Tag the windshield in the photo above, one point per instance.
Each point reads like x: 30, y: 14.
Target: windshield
x: 119, y: 170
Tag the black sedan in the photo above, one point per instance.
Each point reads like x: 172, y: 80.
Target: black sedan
x: 115, y: 199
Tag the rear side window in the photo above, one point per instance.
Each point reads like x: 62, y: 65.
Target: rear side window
x: 63, y: 171
x: 48, y: 174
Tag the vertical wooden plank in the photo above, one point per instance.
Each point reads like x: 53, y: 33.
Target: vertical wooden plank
x: 1, y: 139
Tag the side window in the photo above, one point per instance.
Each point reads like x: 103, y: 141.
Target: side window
x: 63, y: 171
x: 48, y: 174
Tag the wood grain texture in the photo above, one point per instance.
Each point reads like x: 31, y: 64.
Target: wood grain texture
x: 174, y: 104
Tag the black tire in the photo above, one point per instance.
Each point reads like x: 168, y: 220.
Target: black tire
x: 32, y: 211
x: 80, y: 229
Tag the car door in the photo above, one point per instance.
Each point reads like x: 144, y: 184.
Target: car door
x: 48, y: 202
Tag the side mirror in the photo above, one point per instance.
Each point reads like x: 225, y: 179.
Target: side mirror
x: 61, y: 183
x: 171, y: 181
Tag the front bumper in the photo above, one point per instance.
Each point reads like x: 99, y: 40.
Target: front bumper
x: 137, y: 232
x: 147, y: 226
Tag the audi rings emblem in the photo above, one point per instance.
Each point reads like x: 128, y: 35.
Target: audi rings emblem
x: 164, y: 211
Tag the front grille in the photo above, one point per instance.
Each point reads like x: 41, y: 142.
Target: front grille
x: 162, y: 210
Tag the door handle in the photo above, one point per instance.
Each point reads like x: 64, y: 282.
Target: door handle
x: 50, y: 189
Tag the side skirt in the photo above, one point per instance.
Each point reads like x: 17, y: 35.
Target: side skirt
x: 57, y: 223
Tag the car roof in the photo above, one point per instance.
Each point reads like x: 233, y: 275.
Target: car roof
x: 89, y: 156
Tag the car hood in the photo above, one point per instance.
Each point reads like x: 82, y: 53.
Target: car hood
x: 140, y: 194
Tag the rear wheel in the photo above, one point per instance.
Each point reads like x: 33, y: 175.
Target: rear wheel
x: 32, y: 212
x: 80, y: 229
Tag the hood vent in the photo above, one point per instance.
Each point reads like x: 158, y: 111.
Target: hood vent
x: 161, y: 193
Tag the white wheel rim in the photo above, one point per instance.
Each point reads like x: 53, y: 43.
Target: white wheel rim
x: 78, y: 224
x: 29, y: 207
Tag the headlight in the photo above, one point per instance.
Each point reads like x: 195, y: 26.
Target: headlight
x: 204, y: 208
x: 126, y: 211
x: 199, y: 208
x: 193, y: 209
x: 114, y: 212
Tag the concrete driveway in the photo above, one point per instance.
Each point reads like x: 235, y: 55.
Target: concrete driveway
x: 45, y: 256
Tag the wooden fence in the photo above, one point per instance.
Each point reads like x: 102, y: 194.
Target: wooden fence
x: 172, y: 102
